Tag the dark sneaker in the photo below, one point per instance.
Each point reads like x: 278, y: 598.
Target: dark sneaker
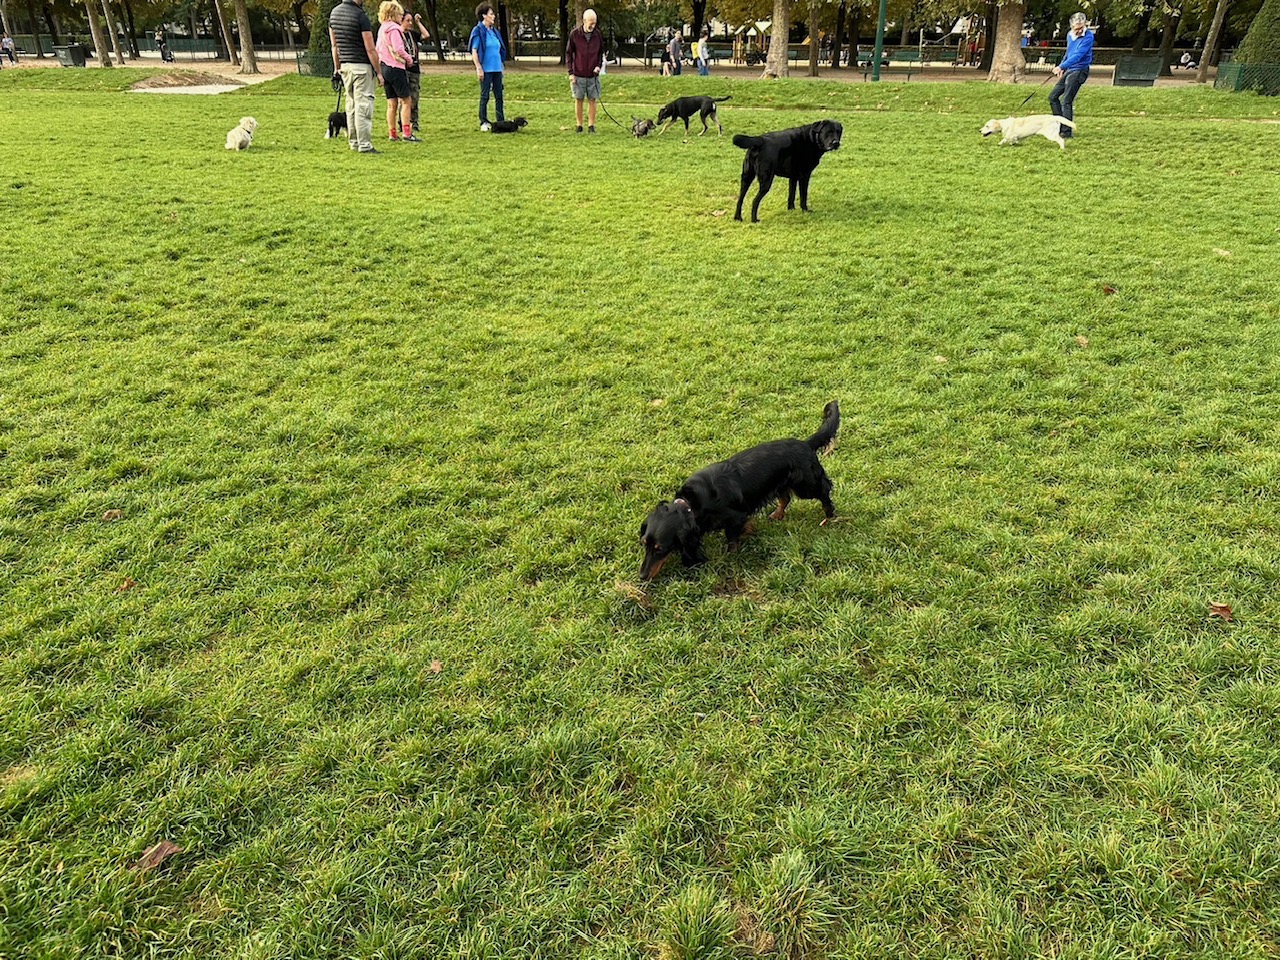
x: 591, y: 129
x: 577, y: 130
x: 411, y: 139
x: 370, y: 150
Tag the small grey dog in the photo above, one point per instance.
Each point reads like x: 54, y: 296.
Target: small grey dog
x: 642, y: 128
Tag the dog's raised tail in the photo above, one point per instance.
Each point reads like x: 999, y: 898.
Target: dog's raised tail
x: 745, y: 142
x: 821, y: 441
x: 721, y: 99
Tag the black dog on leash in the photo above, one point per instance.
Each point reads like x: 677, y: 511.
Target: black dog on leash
x: 683, y: 108
x: 793, y: 154
x: 337, y: 124
x: 724, y: 495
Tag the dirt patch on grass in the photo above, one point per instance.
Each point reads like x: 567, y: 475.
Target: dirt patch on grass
x: 185, y: 78
x: 16, y: 775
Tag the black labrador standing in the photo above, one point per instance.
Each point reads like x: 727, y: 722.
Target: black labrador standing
x: 683, y: 108
x: 724, y: 495
x: 793, y: 154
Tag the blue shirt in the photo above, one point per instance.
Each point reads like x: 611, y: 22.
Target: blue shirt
x: 489, y: 42
x: 1079, y: 52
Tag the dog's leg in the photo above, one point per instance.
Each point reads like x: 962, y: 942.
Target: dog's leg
x: 781, y: 512
x: 804, y: 192
x: 791, y: 193
x: 691, y: 551
x: 748, y: 174
x: 766, y: 182
x: 733, y: 533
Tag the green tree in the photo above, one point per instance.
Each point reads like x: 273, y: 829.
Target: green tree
x: 1262, y: 43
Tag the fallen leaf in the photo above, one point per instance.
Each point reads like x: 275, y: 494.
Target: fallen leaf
x: 156, y: 855
x: 129, y: 584
x: 1222, y: 253
x: 112, y: 515
x: 718, y: 213
x: 436, y: 666
x: 1108, y: 289
x: 1083, y: 341
x: 1222, y: 610
x: 940, y: 359
x: 657, y: 402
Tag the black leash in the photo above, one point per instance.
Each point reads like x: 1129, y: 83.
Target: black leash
x: 1035, y: 91
x: 607, y: 113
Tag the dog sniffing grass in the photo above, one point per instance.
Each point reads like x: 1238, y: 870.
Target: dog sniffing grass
x: 988, y: 713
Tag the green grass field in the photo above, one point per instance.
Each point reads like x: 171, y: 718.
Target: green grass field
x: 365, y: 637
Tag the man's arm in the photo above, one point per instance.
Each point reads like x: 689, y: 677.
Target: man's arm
x: 333, y: 44
x: 372, y: 52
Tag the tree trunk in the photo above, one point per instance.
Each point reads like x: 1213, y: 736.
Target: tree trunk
x: 304, y: 31
x: 99, y: 41
x: 837, y: 42
x: 1008, y: 64
x: 433, y: 26
x: 813, y: 38
x: 115, y: 33
x: 699, y: 17
x: 1220, y: 14
x: 248, y: 59
x: 1171, y: 21
x: 564, y: 28
x: 131, y: 32
x: 226, y: 33
x: 504, y: 28
x: 1144, y: 28
x: 35, y: 29
x: 987, y: 56
x: 776, y: 63
x: 51, y: 23
x: 4, y: 17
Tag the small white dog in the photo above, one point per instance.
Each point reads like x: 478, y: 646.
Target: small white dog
x: 1019, y: 128
x: 239, y: 138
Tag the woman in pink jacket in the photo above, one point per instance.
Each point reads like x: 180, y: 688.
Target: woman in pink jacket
x: 395, y: 76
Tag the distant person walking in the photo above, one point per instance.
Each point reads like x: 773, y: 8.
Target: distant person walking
x: 1072, y: 72
x: 584, y: 56
x: 395, y: 71
x: 7, y: 45
x: 355, y: 62
x: 704, y: 55
x: 676, y: 49
x: 488, y: 53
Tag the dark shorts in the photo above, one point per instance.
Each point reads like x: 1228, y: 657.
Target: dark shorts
x: 395, y: 80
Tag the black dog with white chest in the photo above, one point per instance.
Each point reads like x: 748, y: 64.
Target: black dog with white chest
x: 337, y: 124
x: 683, y: 108
x: 793, y: 154
x: 724, y: 496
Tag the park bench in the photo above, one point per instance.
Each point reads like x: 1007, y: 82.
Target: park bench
x: 1134, y: 71
x: 910, y: 60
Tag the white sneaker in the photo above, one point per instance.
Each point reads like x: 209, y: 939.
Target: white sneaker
x: 484, y: 128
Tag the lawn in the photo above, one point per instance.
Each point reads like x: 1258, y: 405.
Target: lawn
x: 320, y: 484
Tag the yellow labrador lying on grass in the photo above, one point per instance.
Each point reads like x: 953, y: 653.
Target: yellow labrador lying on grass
x: 1019, y: 128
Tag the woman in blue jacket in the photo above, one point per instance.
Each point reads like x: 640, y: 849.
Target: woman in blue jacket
x: 1073, y: 71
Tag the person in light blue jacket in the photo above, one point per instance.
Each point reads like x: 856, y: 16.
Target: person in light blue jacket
x: 1073, y: 71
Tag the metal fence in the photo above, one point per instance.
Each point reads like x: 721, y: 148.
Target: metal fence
x: 1262, y: 77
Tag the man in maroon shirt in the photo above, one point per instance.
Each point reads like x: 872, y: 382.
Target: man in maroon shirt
x: 584, y: 57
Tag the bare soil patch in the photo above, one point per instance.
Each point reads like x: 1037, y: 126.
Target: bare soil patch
x: 185, y: 78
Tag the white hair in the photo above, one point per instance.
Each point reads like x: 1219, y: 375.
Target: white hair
x: 1078, y: 18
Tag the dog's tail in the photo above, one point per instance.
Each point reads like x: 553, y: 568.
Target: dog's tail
x: 745, y: 142
x: 821, y: 441
x: 1067, y: 123
x: 721, y: 99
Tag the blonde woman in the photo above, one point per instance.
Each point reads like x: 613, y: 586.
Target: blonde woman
x: 395, y: 70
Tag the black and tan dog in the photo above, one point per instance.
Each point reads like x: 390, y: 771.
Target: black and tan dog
x: 724, y: 495
x: 793, y: 154
x: 683, y: 108
x: 508, y: 126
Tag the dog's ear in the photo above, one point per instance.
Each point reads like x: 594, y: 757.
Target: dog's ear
x: 644, y: 528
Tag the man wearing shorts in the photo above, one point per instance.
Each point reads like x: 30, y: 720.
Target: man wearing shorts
x: 584, y: 57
